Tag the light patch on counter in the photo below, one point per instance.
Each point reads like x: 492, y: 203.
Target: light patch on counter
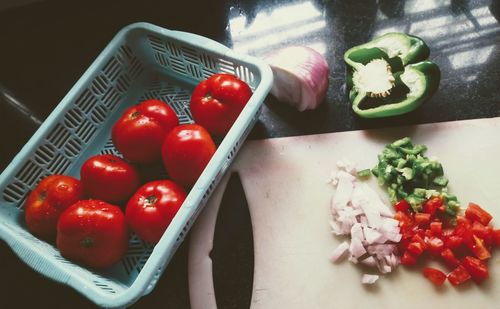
x: 437, y: 26
x: 287, y: 25
x: 278, y: 37
x: 386, y: 30
x: 471, y: 57
x: 320, y: 47
x: 418, y: 6
x: 281, y: 17
x: 484, y: 17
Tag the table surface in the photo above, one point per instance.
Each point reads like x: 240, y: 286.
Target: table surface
x: 46, y: 46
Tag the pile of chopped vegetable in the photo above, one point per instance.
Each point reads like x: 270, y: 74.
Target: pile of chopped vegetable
x: 429, y: 217
x: 463, y: 244
x: 408, y: 174
x: 358, y: 211
x: 430, y: 224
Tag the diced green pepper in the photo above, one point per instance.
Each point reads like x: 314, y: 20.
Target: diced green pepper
x: 408, y: 174
x: 364, y: 173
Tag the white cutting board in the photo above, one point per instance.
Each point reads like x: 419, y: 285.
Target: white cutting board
x: 284, y: 180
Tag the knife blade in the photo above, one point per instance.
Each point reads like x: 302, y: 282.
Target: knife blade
x: 232, y: 253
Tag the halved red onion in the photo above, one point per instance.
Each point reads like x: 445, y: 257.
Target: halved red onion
x: 300, y: 76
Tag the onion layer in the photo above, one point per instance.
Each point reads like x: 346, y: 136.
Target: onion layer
x: 300, y: 76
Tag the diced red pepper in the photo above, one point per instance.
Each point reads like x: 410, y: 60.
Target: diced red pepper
x: 463, y: 221
x: 483, y: 232
x: 433, y: 204
x: 488, y: 237
x: 406, y: 239
x: 434, y: 275
x: 447, y: 232
x: 420, y: 240
x: 422, y: 218
x: 496, y: 237
x: 476, y: 268
x: 404, y: 219
x: 408, y: 259
x: 435, y: 245
x: 436, y: 228
x: 449, y: 258
x: 463, y: 225
x: 415, y: 248
x: 402, y: 205
x: 458, y: 276
x: 479, y: 229
x: 479, y: 249
x: 475, y: 213
x: 453, y: 241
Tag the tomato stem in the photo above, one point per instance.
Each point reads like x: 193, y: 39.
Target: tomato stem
x: 207, y: 96
x: 42, y: 196
x: 150, y: 200
x: 134, y: 114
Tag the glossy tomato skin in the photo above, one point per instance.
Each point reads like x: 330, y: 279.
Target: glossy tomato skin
x: 217, y: 101
x: 92, y: 233
x: 151, y: 209
x: 109, y: 178
x: 140, y: 131
x: 48, y: 200
x: 186, y: 151
x: 434, y: 275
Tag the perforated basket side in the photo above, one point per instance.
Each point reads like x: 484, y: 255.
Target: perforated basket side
x: 71, y: 129
x: 179, y: 55
x: 143, y: 61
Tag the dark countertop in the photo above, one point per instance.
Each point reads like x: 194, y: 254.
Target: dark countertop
x: 46, y: 46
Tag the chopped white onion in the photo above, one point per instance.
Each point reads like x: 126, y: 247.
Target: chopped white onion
x: 300, y: 76
x: 358, y: 211
x: 371, y: 235
x: 339, y: 252
x: 370, y: 261
x: 369, y: 279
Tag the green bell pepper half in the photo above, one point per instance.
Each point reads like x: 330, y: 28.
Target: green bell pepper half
x: 390, y: 75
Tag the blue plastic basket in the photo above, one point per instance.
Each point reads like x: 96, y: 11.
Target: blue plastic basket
x: 142, y: 61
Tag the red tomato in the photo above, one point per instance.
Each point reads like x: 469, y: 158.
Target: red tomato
x: 93, y: 233
x: 151, y: 209
x: 48, y: 200
x: 458, y: 276
x: 186, y: 151
x: 140, y: 131
x: 434, y: 275
x: 476, y: 268
x: 109, y: 178
x: 476, y: 213
x: 217, y: 101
